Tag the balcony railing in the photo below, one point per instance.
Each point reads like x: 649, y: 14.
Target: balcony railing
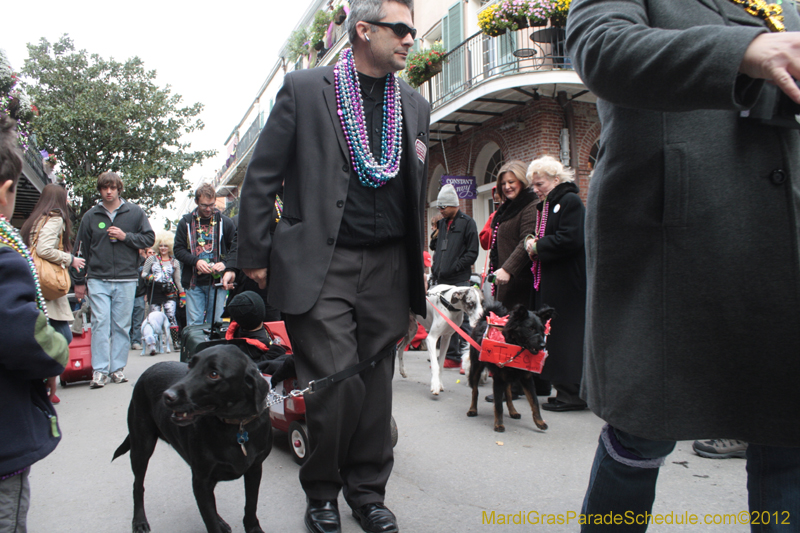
x: 250, y: 136
x: 481, y: 58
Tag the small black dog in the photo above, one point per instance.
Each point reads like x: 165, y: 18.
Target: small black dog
x: 212, y: 412
x: 525, y: 329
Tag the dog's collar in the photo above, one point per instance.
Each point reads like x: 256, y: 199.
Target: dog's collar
x: 241, y: 436
x: 240, y: 421
x: 450, y: 307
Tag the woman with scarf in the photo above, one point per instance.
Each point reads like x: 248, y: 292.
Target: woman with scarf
x: 559, y: 277
x: 510, y: 264
x: 513, y: 220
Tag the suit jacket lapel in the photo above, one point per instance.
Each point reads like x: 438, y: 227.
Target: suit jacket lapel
x: 410, y: 132
x: 329, y: 92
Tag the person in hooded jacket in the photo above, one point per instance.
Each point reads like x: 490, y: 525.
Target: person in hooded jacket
x: 559, y: 277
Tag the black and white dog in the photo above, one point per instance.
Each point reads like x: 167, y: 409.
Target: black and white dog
x: 453, y: 302
x: 525, y: 329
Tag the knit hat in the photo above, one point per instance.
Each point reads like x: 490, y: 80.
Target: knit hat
x: 447, y: 196
x: 247, y: 310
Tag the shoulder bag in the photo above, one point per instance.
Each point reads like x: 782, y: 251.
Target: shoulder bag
x: 53, y: 278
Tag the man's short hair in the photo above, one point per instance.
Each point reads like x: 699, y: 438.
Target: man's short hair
x: 110, y: 179
x: 368, y: 10
x: 10, y: 154
x: 206, y: 190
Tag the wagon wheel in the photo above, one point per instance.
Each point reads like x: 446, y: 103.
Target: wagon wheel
x: 393, y: 427
x: 298, y: 441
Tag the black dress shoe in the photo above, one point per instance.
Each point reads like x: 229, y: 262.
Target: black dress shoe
x: 322, y: 516
x: 557, y: 405
x: 376, y: 518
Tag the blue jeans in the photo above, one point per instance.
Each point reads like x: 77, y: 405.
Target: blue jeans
x: 137, y: 319
x: 625, y: 470
x: 62, y: 326
x: 112, y: 310
x: 199, y: 301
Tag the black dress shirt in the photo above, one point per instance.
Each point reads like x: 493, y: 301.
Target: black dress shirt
x: 374, y: 216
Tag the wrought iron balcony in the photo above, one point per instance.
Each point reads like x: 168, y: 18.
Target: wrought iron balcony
x: 482, y: 58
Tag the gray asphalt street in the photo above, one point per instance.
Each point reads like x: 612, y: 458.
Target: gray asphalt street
x: 450, y: 474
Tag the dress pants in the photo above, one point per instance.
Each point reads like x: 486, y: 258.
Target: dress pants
x: 362, y: 309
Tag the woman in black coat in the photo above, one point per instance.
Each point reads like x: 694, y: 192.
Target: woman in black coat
x: 559, y: 277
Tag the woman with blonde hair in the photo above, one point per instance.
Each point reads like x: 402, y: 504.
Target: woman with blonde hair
x: 163, y: 272
x: 559, y: 276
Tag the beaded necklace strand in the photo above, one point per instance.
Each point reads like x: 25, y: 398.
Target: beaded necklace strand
x: 771, y: 13
x: 11, y: 237
x: 541, y: 224
x: 350, y: 108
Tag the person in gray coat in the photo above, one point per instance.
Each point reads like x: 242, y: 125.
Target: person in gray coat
x: 692, y: 236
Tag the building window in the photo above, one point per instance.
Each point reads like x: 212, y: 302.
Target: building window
x: 593, y: 155
x: 494, y: 164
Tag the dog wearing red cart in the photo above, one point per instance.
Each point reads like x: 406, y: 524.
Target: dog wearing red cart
x: 511, y: 356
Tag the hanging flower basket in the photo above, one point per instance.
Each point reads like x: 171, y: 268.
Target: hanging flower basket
x: 319, y: 45
x: 340, y: 16
x: 521, y: 23
x: 423, y: 65
x: 435, y: 68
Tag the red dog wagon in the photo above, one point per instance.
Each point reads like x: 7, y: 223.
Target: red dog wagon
x: 495, y: 350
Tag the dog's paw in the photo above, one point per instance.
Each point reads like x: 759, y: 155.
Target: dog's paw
x: 472, y: 412
x: 436, y: 387
x: 500, y: 429
x: 141, y: 527
x: 403, y: 372
x: 515, y: 416
x: 254, y: 527
x: 541, y: 424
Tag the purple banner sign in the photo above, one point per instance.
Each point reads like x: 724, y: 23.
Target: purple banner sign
x: 466, y: 186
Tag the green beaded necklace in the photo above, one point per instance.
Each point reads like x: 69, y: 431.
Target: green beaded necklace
x: 11, y: 237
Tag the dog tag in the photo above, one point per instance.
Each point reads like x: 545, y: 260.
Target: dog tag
x: 241, y: 438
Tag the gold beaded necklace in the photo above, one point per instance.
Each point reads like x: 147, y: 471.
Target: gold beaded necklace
x: 771, y: 13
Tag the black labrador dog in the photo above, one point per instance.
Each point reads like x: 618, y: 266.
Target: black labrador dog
x: 526, y: 329
x: 212, y: 411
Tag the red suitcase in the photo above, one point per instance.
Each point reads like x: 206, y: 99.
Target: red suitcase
x: 79, y: 366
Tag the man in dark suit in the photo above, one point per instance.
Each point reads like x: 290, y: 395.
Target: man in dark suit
x: 345, y: 261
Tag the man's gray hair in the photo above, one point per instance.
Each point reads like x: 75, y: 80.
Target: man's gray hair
x: 368, y: 10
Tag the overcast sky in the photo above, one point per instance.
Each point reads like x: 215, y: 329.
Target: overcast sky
x: 217, y: 54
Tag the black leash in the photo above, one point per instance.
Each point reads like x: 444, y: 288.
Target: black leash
x: 319, y: 384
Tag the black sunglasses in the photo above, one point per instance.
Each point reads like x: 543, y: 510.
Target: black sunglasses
x: 399, y: 28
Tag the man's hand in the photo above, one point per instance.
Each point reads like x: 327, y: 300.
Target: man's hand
x: 80, y: 292
x: 775, y: 57
x: 259, y: 275
x: 227, y: 280
x: 117, y: 233
x: 218, y: 267
x: 203, y: 267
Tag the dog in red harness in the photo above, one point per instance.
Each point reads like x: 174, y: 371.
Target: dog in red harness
x: 526, y: 330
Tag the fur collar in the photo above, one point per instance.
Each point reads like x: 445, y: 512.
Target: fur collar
x: 558, y: 193
x: 510, y: 209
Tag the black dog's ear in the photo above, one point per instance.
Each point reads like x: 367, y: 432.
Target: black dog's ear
x: 546, y: 313
x: 519, y: 312
x: 259, y: 388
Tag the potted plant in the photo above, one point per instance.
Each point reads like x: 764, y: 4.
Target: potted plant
x: 425, y: 64
x: 339, y: 14
x: 319, y: 29
x: 514, y: 13
x: 297, y: 45
x: 558, y: 16
x: 539, y: 11
x: 490, y: 23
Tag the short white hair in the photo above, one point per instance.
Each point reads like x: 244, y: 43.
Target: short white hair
x: 550, y: 166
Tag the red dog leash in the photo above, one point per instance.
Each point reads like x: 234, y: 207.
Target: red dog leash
x: 457, y: 329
